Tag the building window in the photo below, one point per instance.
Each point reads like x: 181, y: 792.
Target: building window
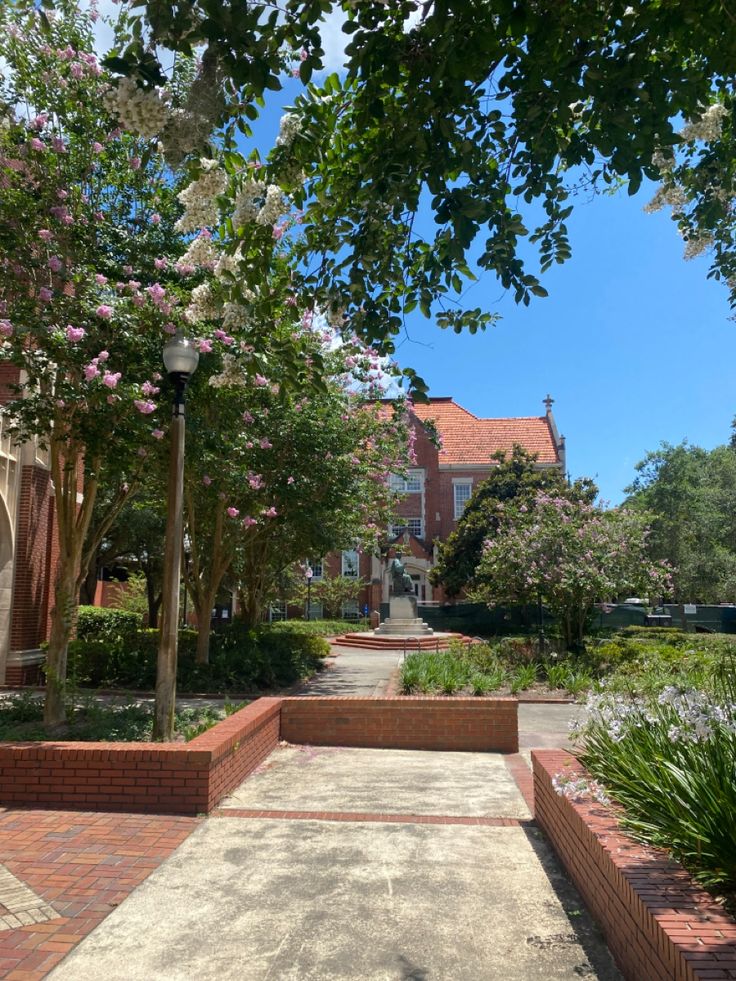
x: 350, y: 610
x: 316, y: 567
x: 413, y: 525
x: 316, y: 610
x: 462, y: 490
x: 350, y: 563
x: 411, y: 484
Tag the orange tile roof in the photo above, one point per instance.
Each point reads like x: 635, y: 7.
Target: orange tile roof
x: 466, y: 439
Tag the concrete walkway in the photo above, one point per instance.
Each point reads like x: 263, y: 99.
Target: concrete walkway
x: 354, y: 672
x: 398, y: 866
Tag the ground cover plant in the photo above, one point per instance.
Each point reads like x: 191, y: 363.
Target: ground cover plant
x: 91, y: 720
x: 670, y: 762
x: 320, y: 628
x: 637, y: 661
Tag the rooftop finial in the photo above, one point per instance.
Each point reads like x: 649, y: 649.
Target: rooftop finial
x: 548, y: 402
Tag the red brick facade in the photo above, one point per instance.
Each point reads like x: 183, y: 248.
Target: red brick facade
x: 658, y: 924
x: 427, y: 513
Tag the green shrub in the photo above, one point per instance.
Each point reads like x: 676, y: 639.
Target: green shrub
x: 321, y: 628
x: 104, y: 623
x: 671, y: 763
x: 523, y: 677
x: 557, y: 675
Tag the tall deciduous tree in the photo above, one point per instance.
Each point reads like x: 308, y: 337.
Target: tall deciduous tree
x: 689, y: 495
x: 570, y: 554
x: 514, y: 478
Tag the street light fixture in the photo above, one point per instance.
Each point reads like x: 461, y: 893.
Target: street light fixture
x: 309, y: 572
x: 180, y: 360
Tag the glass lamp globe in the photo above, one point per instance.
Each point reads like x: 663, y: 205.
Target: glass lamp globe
x: 180, y: 356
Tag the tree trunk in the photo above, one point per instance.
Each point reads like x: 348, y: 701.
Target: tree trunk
x: 62, y: 628
x: 204, y: 630
x: 89, y: 586
x: 251, y: 607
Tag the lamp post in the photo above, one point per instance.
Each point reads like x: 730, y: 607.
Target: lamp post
x: 540, y: 619
x: 180, y: 360
x: 309, y: 573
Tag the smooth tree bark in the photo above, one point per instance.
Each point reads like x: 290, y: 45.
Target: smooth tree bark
x: 210, y: 561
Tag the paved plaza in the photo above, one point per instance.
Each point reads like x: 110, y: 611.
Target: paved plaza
x: 326, y: 863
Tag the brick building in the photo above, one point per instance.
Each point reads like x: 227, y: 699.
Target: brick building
x: 28, y: 549
x: 437, y: 489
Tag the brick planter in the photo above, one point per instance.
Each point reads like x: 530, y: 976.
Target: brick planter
x: 659, y: 925
x: 403, y: 722
x: 165, y: 778
x: 192, y: 778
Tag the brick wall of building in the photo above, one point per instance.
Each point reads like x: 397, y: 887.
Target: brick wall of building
x: 658, y: 924
x: 36, y: 554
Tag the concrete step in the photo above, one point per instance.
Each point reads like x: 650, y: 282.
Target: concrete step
x: 369, y: 642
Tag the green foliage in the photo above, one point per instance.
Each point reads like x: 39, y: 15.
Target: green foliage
x: 317, y: 628
x: 89, y: 720
x: 671, y: 763
x: 107, y: 624
x: 523, y: 678
x: 515, y: 478
x: 689, y: 495
x: 242, y: 660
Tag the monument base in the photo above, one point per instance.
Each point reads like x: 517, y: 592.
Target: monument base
x: 403, y: 620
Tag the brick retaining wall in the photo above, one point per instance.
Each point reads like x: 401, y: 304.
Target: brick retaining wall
x: 173, y: 778
x: 403, y: 722
x: 659, y: 925
x: 192, y: 778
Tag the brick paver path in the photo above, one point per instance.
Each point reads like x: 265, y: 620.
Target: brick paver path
x: 80, y: 866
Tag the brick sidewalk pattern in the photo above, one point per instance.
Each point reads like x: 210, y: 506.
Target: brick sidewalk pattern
x: 82, y: 865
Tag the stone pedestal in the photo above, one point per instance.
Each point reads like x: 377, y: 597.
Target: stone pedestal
x: 403, y: 620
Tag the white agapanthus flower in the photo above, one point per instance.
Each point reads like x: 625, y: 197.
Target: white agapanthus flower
x: 199, y: 198
x: 140, y: 111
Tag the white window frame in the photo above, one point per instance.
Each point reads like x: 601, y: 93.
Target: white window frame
x: 317, y: 567
x: 350, y: 610
x: 456, y: 485
x: 413, y: 483
x: 417, y: 533
x: 347, y: 568
x: 316, y: 610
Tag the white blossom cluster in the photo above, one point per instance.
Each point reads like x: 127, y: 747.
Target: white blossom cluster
x: 199, y: 198
x: 202, y: 305
x: 706, y: 127
x: 248, y: 202
x: 228, y: 266
x: 667, y: 194
x: 578, y: 788
x: 141, y: 111
x: 274, y: 206
x: 232, y: 374
x: 234, y: 316
x: 288, y: 130
x: 696, y: 245
x: 201, y: 253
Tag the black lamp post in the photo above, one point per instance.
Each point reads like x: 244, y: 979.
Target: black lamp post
x: 309, y: 573
x: 540, y: 616
x: 180, y: 360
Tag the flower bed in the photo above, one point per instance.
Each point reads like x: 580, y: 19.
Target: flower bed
x: 658, y: 923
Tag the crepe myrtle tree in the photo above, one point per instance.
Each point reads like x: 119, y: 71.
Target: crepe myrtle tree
x: 274, y: 474
x: 492, y: 113
x: 571, y: 553
x: 87, y: 288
